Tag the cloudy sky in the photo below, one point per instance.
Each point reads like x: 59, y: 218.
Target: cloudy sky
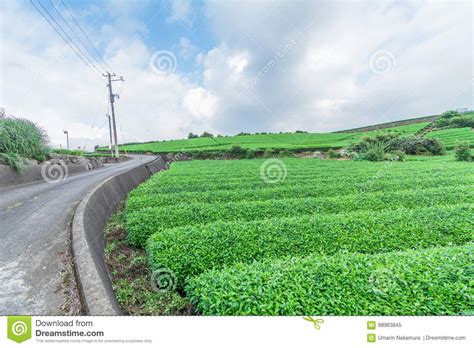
x: 229, y: 66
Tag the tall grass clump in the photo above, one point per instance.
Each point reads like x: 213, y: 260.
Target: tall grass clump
x: 21, y: 138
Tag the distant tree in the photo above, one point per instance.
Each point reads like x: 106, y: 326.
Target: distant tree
x: 192, y: 135
x: 206, y: 135
x: 450, y: 114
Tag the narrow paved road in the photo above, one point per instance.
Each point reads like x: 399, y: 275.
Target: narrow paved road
x: 34, y: 230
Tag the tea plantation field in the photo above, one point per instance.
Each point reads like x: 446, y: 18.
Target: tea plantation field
x: 451, y: 135
x: 300, y: 236
x: 289, y: 141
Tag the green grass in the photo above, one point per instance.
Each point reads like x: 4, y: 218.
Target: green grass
x: 450, y: 136
x: 215, y: 218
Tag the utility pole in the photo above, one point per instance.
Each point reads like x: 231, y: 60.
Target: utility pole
x: 110, y: 135
x: 112, y: 100
x: 67, y: 138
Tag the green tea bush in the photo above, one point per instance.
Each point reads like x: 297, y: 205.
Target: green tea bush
x: 141, y: 199
x: 144, y: 222
x: 191, y: 250
x: 435, y: 281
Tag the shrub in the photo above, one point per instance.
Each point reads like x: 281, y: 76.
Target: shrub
x: 237, y: 151
x: 191, y: 250
x: 462, y: 121
x: 453, y: 119
x: 462, y: 151
x: 13, y: 160
x: 450, y: 114
x: 373, y: 151
x: 251, y: 154
x: 416, y: 145
x: 68, y: 152
x: 435, y: 281
x: 21, y: 138
x: 333, y: 154
x: 377, y: 147
x: 268, y: 153
x: 207, y: 135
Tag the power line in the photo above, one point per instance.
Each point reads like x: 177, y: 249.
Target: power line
x: 77, y: 37
x: 67, y: 35
x: 93, y: 68
x: 85, y: 35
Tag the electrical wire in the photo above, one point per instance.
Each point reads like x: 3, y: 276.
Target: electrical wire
x: 93, y: 59
x: 85, y: 35
x: 65, y: 40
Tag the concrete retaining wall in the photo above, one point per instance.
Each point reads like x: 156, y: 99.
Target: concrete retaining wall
x: 391, y: 124
x: 31, y: 173
x: 62, y: 165
x: 88, y: 226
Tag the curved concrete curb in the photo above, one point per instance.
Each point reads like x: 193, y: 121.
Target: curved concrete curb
x: 88, y: 225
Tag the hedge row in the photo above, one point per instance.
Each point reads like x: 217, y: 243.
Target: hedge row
x: 144, y: 222
x: 139, y: 199
x: 164, y: 185
x: 435, y: 281
x: 176, y: 174
x: 191, y: 250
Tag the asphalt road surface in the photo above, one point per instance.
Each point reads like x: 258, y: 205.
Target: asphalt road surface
x: 34, y: 229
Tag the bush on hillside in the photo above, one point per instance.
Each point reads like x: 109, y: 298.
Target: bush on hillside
x: 450, y: 114
x: 462, y: 151
x: 416, y: 145
x: 455, y: 121
x: 393, y: 147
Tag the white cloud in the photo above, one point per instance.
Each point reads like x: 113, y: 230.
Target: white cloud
x: 48, y: 84
x: 200, y: 103
x: 277, y: 66
x: 324, y: 82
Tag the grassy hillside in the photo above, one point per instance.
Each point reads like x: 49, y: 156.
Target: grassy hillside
x: 290, y: 141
